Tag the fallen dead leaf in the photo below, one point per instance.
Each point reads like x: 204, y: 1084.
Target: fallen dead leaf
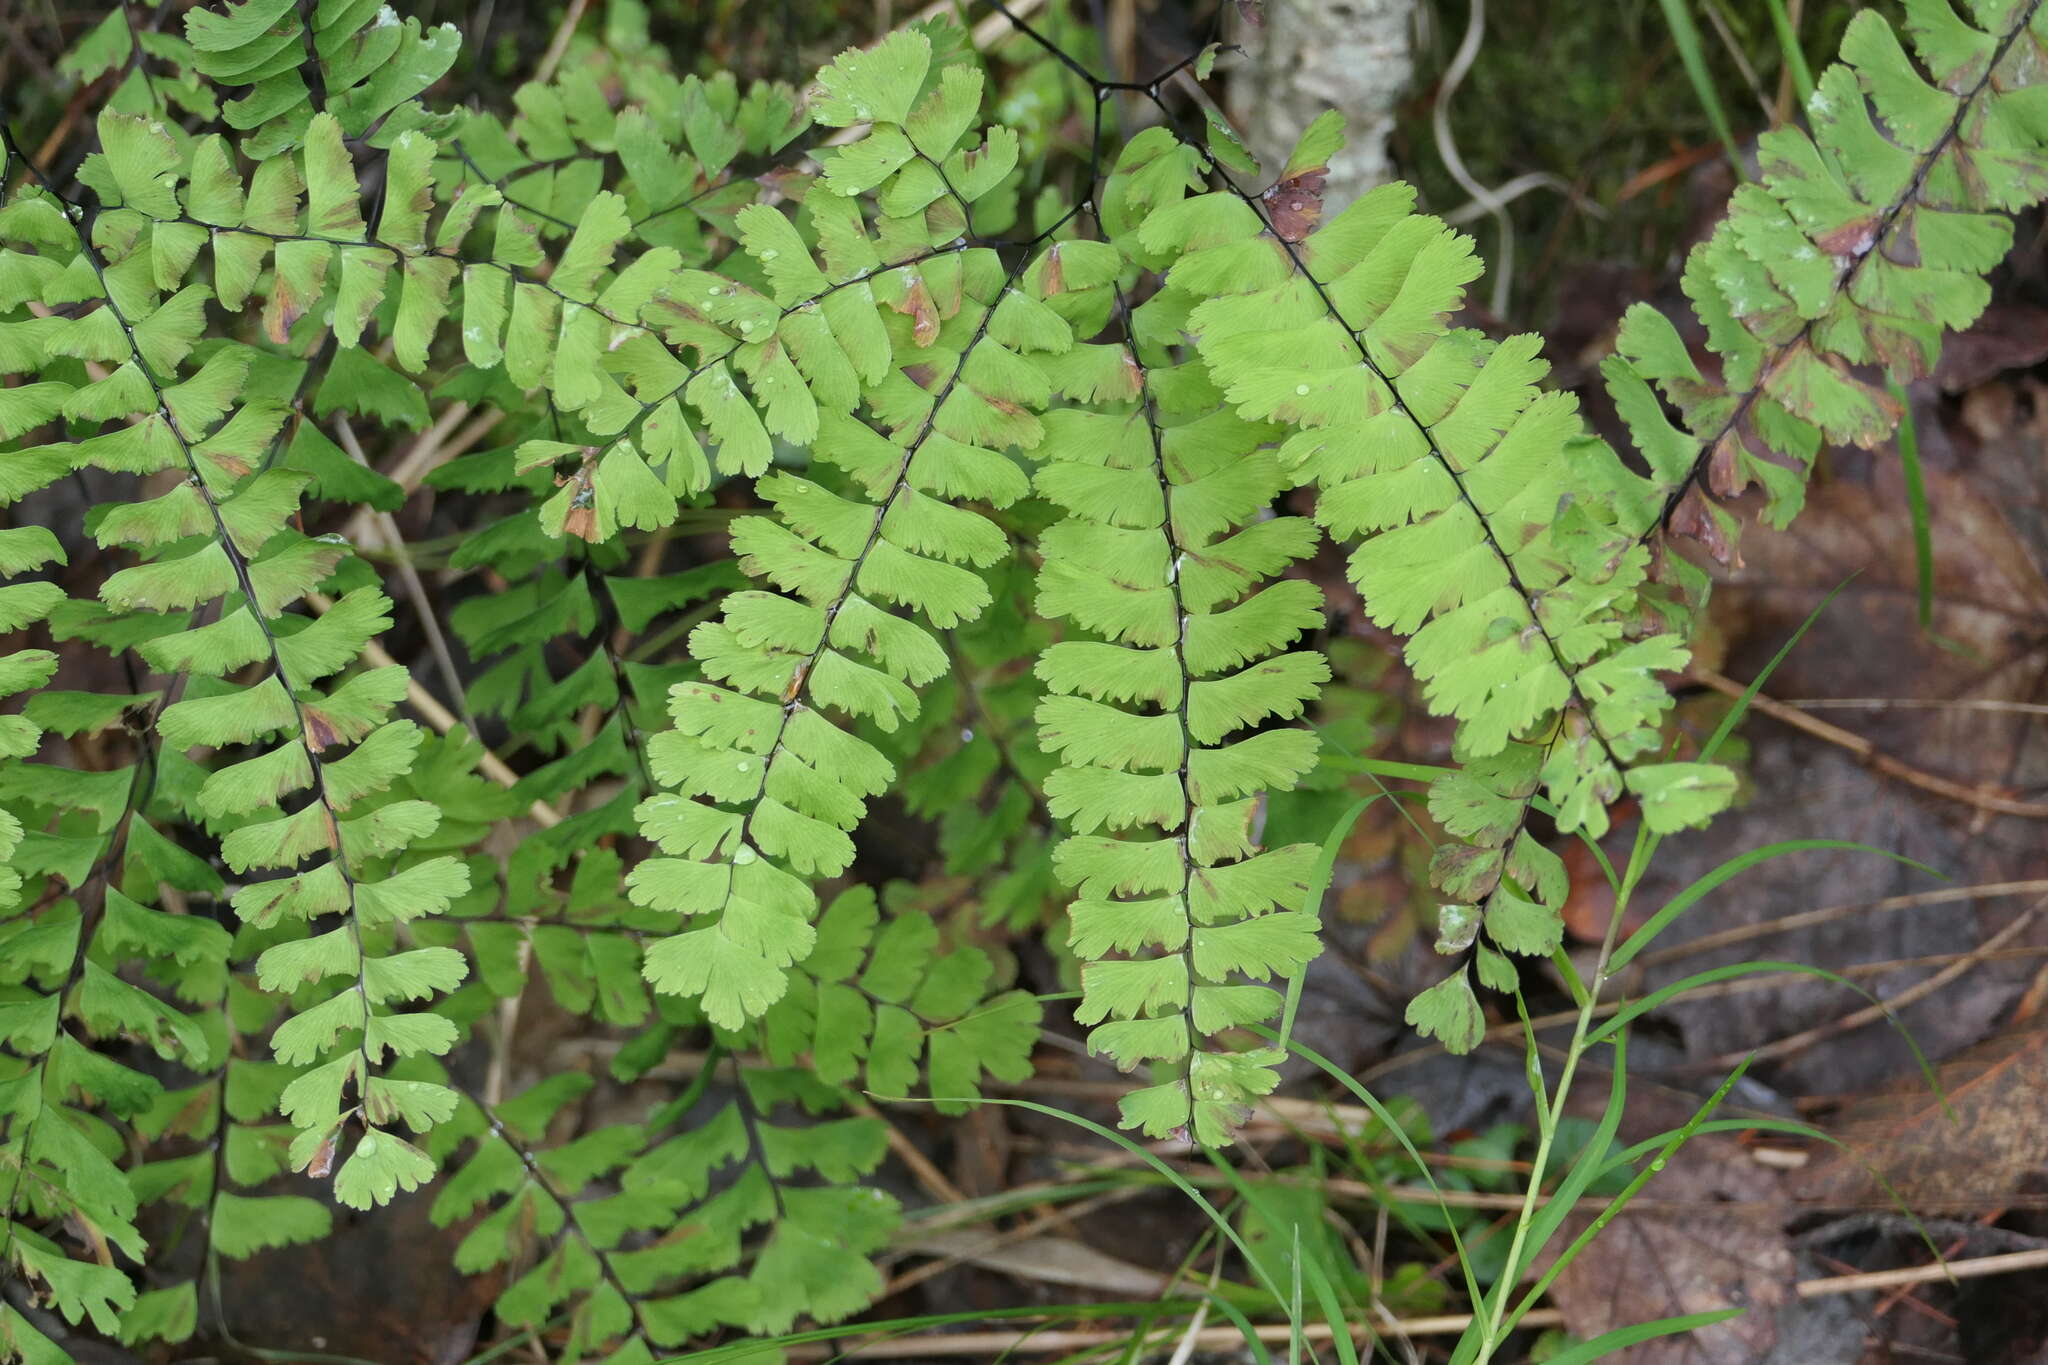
x: 1855, y: 541
x: 1048, y: 1260
x: 1997, y: 1138
x: 1724, y: 1252
x: 381, y: 1288
x: 2007, y: 337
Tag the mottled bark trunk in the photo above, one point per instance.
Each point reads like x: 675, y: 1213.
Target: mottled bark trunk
x: 1311, y: 55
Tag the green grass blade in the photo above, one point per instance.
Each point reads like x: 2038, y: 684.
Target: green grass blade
x: 1789, y: 49
x: 1685, y: 35
x: 1584, y: 1171
x: 1400, y: 1134
x: 752, y: 1350
x: 1294, y: 1304
x: 1179, y: 1181
x: 1741, y: 707
x: 1308, y: 1265
x: 517, y: 1340
x: 1635, y: 1009
x: 1753, y: 1124
x: 1621, y: 1338
x: 1253, y: 1342
x: 1386, y: 767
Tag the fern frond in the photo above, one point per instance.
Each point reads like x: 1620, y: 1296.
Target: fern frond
x: 986, y: 523
x: 228, y: 1123
x: 1868, y: 237
x: 582, y: 332
x: 60, y: 1003
x: 1482, y: 511
x: 359, y: 63
x: 1859, y: 248
x: 877, y: 999
x: 1491, y: 530
x: 218, y: 545
x: 969, y: 763
x: 680, y: 147
x: 637, y: 1295
x: 781, y: 1226
x: 766, y: 788
x: 1168, y: 567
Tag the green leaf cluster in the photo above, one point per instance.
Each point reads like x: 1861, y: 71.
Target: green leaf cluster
x: 849, y: 488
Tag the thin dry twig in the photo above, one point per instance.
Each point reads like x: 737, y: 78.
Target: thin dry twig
x: 435, y: 447
x: 1991, y: 704
x: 1742, y: 986
x: 559, y: 47
x: 1980, y: 797
x: 1808, y: 918
x: 1977, y: 1267
x: 1184, y: 1351
x: 931, y: 1177
x: 1870, y: 1014
x: 1925, y: 1310
x: 422, y: 605
x: 1082, y: 1339
x: 1030, y: 1228
x: 1904, y: 1293
x: 1741, y: 58
x: 943, y: 1344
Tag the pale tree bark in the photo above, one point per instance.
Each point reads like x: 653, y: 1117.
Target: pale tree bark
x: 1311, y: 55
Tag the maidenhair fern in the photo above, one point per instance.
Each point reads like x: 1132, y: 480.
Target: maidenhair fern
x: 816, y: 455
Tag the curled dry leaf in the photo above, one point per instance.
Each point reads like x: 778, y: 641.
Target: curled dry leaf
x: 1694, y: 520
x: 1295, y: 204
